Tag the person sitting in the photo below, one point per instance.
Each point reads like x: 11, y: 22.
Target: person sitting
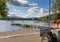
x: 51, y: 38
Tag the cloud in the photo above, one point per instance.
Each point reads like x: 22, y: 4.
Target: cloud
x: 33, y: 4
x: 32, y: 10
x: 16, y: 13
x: 36, y: 12
x: 22, y: 3
x: 31, y: 13
x: 43, y: 12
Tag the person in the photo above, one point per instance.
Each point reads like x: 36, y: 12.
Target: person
x: 57, y: 23
x: 51, y: 38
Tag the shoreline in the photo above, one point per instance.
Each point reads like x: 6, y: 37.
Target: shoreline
x: 14, y: 32
x: 32, y: 35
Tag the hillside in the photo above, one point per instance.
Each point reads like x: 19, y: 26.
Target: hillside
x: 18, y: 18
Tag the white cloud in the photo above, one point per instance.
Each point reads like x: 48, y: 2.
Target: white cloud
x: 14, y: 9
x: 32, y: 10
x: 15, y: 13
x: 36, y: 12
x: 28, y: 15
x: 33, y: 4
x: 43, y: 12
x: 22, y: 3
x: 19, y: 2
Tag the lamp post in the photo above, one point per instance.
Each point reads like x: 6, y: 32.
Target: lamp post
x: 49, y: 13
x: 44, y: 28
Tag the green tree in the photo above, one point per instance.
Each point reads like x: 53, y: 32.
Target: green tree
x: 53, y: 17
x: 3, y: 9
x: 56, y: 10
x: 44, y: 19
x: 56, y: 6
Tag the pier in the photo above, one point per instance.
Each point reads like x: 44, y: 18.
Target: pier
x: 33, y: 25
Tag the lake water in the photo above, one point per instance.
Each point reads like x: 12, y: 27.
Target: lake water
x: 6, y: 25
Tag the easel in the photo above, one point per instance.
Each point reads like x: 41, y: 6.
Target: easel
x: 43, y: 31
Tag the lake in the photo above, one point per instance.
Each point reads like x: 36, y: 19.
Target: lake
x: 6, y: 25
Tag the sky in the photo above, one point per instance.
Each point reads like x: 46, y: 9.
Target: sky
x: 28, y: 8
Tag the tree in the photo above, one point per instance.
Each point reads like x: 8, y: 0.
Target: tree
x: 56, y: 10
x: 3, y: 8
x: 56, y: 6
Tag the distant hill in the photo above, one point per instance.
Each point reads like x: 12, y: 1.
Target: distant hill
x: 18, y: 18
x: 53, y: 18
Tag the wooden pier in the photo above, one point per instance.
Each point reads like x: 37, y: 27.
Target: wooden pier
x: 32, y: 26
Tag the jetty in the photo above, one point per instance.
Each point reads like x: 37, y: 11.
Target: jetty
x: 34, y: 24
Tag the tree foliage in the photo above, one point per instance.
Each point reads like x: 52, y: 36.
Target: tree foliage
x: 56, y: 10
x: 3, y: 8
x: 56, y: 6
